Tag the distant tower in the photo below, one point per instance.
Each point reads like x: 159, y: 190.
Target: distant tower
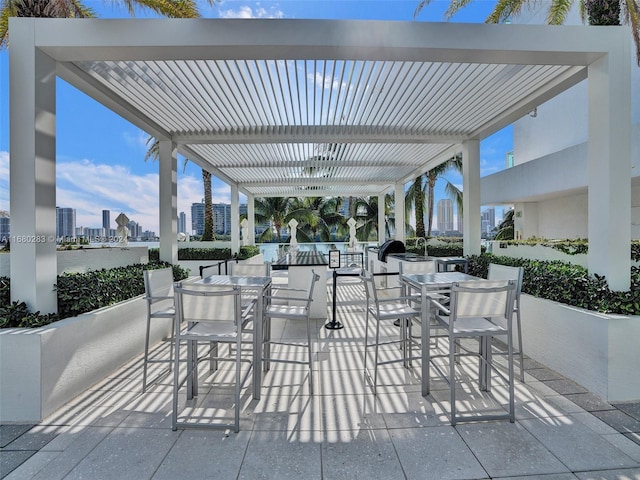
x: 65, y: 222
x: 445, y: 215
x: 106, y: 220
x: 182, y: 222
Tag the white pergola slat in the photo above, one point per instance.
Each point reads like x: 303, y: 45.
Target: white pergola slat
x: 316, y: 107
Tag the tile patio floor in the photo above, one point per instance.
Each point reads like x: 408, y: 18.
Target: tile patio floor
x: 113, y: 431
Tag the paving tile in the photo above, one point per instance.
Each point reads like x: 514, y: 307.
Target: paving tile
x: 576, y: 445
x: 625, y: 444
x: 365, y: 454
x: 288, y: 413
x: 544, y: 374
x: 30, y: 467
x: 34, y: 439
x: 626, y: 474
x: 350, y: 412
x: 630, y: 408
x: 126, y: 453
x: 505, y: 448
x: 435, y: 452
x: 619, y: 420
x: 12, y: 459
x: 281, y: 455
x: 8, y: 433
x: 553, y: 476
x: 72, y: 447
x: 204, y: 454
x: 565, y: 386
x: 633, y: 436
x: 590, y: 401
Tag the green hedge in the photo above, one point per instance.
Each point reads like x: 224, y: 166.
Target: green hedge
x: 566, y: 283
x: 82, y: 292
x: 194, y: 254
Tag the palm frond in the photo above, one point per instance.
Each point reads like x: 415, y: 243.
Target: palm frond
x: 505, y: 9
x: 558, y: 11
x: 421, y: 5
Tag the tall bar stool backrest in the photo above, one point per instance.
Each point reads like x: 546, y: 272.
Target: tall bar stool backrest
x: 159, y: 296
x: 250, y: 269
x: 417, y: 267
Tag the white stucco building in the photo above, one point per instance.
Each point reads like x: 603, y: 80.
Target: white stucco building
x: 548, y: 183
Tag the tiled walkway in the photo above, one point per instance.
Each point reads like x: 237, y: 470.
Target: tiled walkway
x: 113, y: 431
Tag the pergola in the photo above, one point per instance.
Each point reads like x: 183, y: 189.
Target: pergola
x: 311, y: 107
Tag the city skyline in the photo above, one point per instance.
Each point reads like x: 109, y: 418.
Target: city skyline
x: 100, y: 156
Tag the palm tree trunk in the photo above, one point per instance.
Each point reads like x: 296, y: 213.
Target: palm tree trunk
x: 431, y: 184
x: 207, y: 235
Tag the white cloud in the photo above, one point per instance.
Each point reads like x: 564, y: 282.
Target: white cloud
x: 4, y: 180
x: 245, y: 11
x: 137, y: 140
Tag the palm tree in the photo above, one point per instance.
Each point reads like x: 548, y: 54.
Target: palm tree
x: 367, y: 217
x: 273, y: 210
x: 317, y: 216
x: 153, y: 152
x: 595, y: 12
x: 506, y: 227
x: 78, y: 9
x: 450, y: 189
x: 415, y: 197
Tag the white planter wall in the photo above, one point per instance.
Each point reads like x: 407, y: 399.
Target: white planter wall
x: 88, y: 259
x: 598, y: 351
x: 42, y: 369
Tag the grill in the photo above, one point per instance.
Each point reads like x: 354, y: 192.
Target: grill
x: 390, y: 246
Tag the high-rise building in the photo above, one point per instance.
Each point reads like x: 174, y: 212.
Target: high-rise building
x: 197, y: 218
x: 460, y: 222
x: 106, y: 219
x: 135, y: 229
x: 488, y: 219
x: 65, y: 222
x: 5, y: 225
x: 182, y: 222
x: 445, y: 215
x: 222, y: 218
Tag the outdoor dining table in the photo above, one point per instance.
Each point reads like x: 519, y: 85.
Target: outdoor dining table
x: 262, y: 284
x: 431, y: 283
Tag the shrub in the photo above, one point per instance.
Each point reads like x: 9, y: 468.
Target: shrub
x: 566, y: 283
x: 83, y: 292
x: 194, y: 254
x: 248, y: 251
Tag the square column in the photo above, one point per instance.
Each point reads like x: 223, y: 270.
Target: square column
x: 32, y: 115
x: 382, y: 234
x: 251, y: 217
x: 235, y: 219
x: 399, y: 211
x: 609, y: 166
x: 471, y: 197
x: 168, y: 201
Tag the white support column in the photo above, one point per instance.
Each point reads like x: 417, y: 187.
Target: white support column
x: 32, y: 89
x: 382, y: 234
x: 168, y: 201
x: 398, y: 201
x: 235, y: 219
x: 251, y: 216
x: 471, y: 197
x: 609, y: 167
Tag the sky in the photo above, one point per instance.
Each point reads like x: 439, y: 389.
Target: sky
x: 100, y: 156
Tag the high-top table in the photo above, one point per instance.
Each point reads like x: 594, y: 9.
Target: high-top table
x: 300, y: 264
x: 431, y: 283
x: 262, y: 285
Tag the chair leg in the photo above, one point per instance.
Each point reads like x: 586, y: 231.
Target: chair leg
x: 452, y: 379
x: 176, y: 382
x: 146, y: 357
x: 238, y: 384
x: 309, y: 356
x: 366, y: 347
x: 520, y: 349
